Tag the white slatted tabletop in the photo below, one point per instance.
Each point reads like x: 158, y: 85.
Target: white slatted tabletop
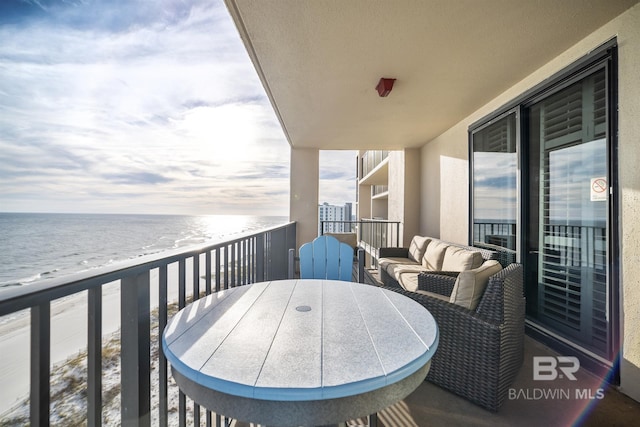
x: 291, y: 345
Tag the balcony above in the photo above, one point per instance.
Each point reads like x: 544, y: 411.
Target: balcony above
x: 379, y: 175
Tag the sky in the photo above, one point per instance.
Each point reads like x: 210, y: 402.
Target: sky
x: 140, y: 106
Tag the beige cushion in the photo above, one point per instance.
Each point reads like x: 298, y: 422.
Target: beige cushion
x: 434, y: 255
x: 470, y: 284
x: 417, y: 247
x: 459, y: 259
x: 408, y: 280
x: 396, y: 270
x: 388, y: 264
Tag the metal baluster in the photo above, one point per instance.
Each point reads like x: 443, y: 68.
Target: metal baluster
x: 40, y: 360
x: 182, y: 297
x: 135, y: 344
x: 226, y: 267
x: 163, y: 404
x: 94, y: 357
x: 196, y: 277
x: 207, y: 268
x: 234, y: 265
x: 218, y: 269
x: 260, y: 258
x: 196, y: 296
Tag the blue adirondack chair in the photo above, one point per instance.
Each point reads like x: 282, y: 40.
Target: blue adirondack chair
x: 326, y: 258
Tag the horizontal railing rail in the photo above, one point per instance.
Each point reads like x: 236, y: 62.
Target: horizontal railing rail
x: 207, y: 268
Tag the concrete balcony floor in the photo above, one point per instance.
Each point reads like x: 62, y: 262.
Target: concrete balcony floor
x: 431, y: 405
x: 572, y: 405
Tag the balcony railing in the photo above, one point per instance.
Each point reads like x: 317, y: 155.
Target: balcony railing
x: 209, y: 268
x: 377, y: 190
x: 371, y: 234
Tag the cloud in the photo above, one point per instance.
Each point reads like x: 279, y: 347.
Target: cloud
x: 337, y: 177
x: 134, y: 106
x: 137, y: 178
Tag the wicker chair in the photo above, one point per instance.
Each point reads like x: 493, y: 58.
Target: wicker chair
x: 481, y: 350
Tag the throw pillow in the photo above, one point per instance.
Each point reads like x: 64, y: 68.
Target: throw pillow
x: 470, y: 284
x: 459, y: 259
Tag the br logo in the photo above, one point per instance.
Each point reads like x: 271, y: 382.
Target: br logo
x: 545, y: 368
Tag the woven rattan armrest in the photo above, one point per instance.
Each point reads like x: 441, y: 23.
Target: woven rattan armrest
x: 393, y: 253
x: 437, y: 282
x: 452, y: 316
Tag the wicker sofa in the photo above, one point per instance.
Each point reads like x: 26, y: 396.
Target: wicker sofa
x: 481, y: 341
x: 402, y: 266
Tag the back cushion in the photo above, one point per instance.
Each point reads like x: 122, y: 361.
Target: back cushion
x: 434, y: 255
x: 417, y: 247
x: 459, y: 259
x: 470, y: 284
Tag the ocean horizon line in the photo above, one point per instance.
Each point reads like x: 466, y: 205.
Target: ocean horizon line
x: 137, y: 213
x: 37, y: 246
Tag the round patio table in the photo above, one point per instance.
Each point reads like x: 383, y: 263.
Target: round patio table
x: 300, y: 352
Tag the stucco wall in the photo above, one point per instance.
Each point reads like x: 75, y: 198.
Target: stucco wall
x: 396, y: 186
x: 412, y: 195
x: 404, y: 192
x: 445, y: 204
x: 304, y: 189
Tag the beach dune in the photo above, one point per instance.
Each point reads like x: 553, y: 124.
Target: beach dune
x: 68, y: 332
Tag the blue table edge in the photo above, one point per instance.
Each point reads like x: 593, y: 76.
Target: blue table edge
x: 301, y: 394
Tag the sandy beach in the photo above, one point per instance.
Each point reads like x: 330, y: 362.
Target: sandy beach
x: 68, y: 335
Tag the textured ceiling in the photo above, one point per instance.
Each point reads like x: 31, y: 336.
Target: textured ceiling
x: 321, y: 60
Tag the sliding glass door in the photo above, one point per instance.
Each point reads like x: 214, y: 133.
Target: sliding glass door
x: 567, y: 238
x: 543, y: 194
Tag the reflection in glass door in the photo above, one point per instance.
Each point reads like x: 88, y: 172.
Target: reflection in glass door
x: 568, y: 290
x: 495, y: 186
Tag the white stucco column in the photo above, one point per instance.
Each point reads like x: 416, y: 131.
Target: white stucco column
x: 304, y: 188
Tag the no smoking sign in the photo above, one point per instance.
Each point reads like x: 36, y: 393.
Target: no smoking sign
x: 599, y: 189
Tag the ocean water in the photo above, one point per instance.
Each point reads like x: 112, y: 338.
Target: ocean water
x: 36, y: 246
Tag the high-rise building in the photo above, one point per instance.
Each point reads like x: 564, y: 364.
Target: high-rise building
x: 333, y: 218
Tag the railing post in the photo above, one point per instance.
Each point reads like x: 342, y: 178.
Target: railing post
x: 94, y: 358
x: 135, y: 342
x: 40, y: 362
